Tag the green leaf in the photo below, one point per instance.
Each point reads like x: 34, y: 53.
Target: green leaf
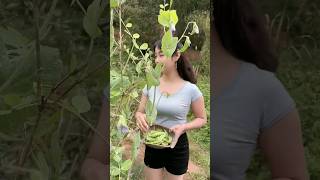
x: 144, y: 46
x: 138, y: 67
x: 166, y: 18
x: 125, y: 166
x: 81, y: 103
x: 122, y: 120
x: 169, y: 44
x: 90, y: 20
x: 186, y: 45
x: 158, y: 69
x: 114, y: 3
x: 117, y: 158
x: 161, y: 6
x: 115, y: 171
x: 173, y: 17
x: 151, y: 80
x: 136, y: 35
x: 12, y: 99
x: 128, y: 25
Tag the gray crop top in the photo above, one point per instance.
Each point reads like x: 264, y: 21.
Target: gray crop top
x: 173, y: 110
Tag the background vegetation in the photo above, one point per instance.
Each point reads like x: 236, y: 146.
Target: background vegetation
x: 295, y: 27
x: 139, y: 24
x: 52, y: 76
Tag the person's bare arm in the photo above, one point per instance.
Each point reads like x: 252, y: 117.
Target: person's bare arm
x: 199, y: 111
x: 140, y: 114
x: 282, y: 146
x: 95, y: 165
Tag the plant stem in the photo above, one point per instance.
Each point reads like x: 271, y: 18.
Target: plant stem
x: 185, y: 30
x: 82, y: 79
x: 127, y: 59
x: 82, y: 8
x: 25, y: 152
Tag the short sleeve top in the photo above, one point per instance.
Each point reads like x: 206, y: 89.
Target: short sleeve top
x: 255, y: 101
x: 174, y: 108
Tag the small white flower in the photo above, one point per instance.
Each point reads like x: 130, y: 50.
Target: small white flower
x: 172, y: 28
x: 195, y: 28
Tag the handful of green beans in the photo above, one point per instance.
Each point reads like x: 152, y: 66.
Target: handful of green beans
x: 158, y: 137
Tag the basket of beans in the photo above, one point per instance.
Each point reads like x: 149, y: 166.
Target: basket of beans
x: 158, y: 137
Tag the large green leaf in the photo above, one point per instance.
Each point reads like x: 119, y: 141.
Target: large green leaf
x: 114, y: 171
x: 168, y: 18
x: 169, y: 44
x: 90, y: 20
x: 151, y: 80
x: 114, y: 3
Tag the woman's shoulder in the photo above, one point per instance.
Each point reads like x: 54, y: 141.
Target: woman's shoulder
x: 260, y: 78
x: 191, y: 86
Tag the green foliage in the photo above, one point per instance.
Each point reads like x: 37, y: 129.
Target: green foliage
x: 295, y: 29
x: 44, y: 94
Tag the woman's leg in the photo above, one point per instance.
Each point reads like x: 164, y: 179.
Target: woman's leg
x: 169, y: 176
x: 153, y: 174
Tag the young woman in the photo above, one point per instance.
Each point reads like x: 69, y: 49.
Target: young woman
x: 177, y: 80
x: 251, y: 106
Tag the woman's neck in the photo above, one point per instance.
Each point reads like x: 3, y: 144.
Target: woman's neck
x: 171, y: 76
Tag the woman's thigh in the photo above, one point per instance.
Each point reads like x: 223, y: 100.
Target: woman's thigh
x: 153, y: 174
x: 169, y: 176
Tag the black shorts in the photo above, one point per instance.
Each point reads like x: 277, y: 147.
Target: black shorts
x: 174, y: 160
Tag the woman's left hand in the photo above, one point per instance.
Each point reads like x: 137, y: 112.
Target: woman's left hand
x: 177, y: 130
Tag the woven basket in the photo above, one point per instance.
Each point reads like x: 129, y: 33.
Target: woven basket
x: 156, y: 127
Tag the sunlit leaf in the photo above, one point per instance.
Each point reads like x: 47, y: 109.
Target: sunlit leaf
x: 169, y: 44
x: 125, y: 166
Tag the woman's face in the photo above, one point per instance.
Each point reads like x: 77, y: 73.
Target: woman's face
x: 169, y: 63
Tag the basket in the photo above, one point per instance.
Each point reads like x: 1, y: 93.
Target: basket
x: 156, y: 127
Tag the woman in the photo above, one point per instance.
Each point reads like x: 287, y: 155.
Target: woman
x: 177, y: 80
x: 251, y: 106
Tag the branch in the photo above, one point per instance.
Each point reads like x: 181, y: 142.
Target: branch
x: 81, y: 80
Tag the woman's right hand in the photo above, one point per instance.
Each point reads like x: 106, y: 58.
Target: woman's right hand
x: 141, y: 120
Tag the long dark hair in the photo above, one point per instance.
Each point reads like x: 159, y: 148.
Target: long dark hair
x: 243, y: 32
x: 184, y: 67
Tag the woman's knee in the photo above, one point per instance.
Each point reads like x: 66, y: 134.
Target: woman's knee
x: 153, y: 174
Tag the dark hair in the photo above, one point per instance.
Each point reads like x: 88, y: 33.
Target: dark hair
x: 243, y: 32
x: 184, y: 67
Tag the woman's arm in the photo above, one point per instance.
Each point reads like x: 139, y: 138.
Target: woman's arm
x: 95, y: 164
x: 140, y: 115
x: 199, y: 111
x: 283, y: 148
